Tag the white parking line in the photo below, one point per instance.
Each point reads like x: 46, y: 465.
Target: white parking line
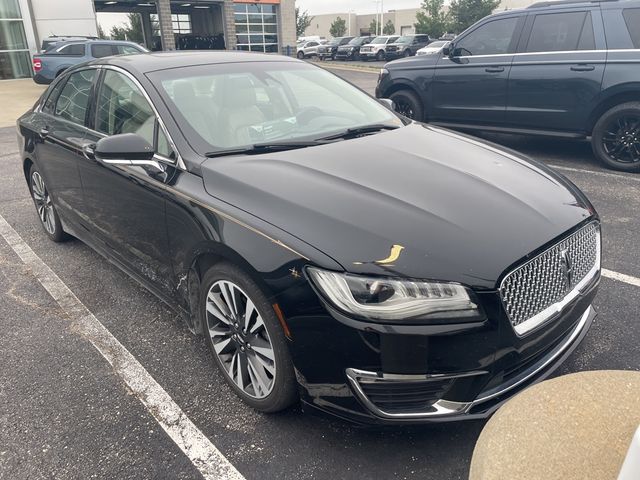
x: 202, y: 453
x: 621, y: 277
x: 633, y: 177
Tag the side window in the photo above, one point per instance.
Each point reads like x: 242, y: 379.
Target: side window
x: 50, y: 102
x: 163, y: 147
x: 632, y: 19
x: 123, y: 109
x: 73, y: 102
x: 127, y: 50
x: 492, y: 38
x: 100, y: 50
x: 555, y: 32
x: 76, y: 49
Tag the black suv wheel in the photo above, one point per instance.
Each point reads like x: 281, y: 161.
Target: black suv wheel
x: 616, y: 137
x: 408, y: 104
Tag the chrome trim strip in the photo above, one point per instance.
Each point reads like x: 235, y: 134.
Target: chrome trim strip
x: 444, y: 408
x: 552, y: 311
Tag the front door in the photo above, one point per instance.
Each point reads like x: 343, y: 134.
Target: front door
x: 470, y: 85
x: 127, y: 203
x: 557, y: 75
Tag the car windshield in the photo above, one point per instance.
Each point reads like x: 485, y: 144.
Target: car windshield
x: 405, y: 40
x: 335, y: 41
x: 436, y: 44
x: 228, y: 106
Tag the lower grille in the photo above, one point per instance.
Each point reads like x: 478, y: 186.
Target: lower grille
x: 399, y: 397
x: 537, y: 290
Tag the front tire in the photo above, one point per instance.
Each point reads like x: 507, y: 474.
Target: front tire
x: 301, y: 55
x: 616, y: 137
x: 380, y: 56
x: 47, y: 213
x: 408, y: 104
x: 246, y: 339
x: 407, y: 53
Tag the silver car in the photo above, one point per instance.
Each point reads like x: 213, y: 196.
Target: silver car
x: 376, y: 49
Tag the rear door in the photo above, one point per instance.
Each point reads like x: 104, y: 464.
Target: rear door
x: 470, y: 86
x: 62, y: 131
x: 557, y: 73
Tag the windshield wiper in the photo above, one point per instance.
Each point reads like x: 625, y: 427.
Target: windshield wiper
x: 355, y: 131
x: 259, y: 148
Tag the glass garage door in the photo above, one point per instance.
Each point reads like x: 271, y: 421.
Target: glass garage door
x: 15, y: 61
x: 256, y: 27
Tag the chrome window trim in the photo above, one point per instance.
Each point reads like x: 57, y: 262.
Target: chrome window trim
x: 444, y: 408
x: 553, y: 310
x: 179, y: 162
x: 556, y: 52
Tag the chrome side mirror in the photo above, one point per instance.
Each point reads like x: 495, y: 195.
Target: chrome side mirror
x: 125, y: 149
x: 387, y: 102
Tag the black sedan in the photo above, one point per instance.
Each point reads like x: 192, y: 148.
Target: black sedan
x: 329, y: 250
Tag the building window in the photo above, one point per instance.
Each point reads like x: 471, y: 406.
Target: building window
x: 15, y: 61
x: 256, y: 27
x: 181, y: 23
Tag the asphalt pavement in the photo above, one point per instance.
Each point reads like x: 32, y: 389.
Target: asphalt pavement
x: 65, y: 412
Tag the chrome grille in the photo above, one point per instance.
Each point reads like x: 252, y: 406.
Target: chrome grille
x: 537, y: 290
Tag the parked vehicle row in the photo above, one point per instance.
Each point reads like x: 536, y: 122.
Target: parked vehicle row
x: 384, y: 47
x: 566, y: 69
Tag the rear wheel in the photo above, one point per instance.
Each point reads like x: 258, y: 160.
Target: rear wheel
x: 408, y: 104
x: 616, y: 137
x: 246, y: 339
x: 44, y: 206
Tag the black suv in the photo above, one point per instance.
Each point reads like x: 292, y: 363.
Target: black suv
x: 330, y: 49
x: 568, y: 68
x: 351, y: 51
x: 406, y: 46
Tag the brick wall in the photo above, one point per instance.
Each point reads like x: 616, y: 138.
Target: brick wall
x: 288, y: 24
x: 229, y: 25
x: 166, y: 27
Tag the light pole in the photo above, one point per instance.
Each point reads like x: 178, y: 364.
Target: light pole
x: 381, y: 16
x: 377, y: 2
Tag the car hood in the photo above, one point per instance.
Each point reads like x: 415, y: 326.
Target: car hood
x: 419, y: 201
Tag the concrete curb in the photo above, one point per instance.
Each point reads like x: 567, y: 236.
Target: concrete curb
x: 352, y: 68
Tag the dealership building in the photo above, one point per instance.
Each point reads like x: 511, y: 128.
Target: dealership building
x: 259, y: 26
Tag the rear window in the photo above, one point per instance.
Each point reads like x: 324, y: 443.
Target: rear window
x: 73, y: 49
x: 555, y: 32
x: 632, y: 19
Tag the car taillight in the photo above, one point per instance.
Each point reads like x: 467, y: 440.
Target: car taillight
x: 37, y: 65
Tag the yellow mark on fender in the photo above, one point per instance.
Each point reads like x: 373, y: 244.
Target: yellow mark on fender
x: 394, y: 254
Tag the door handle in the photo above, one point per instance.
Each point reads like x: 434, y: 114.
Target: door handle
x: 88, y: 150
x: 583, y: 68
x: 494, y: 69
x: 44, y: 132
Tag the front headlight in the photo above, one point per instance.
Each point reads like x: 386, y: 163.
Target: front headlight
x: 383, y: 73
x: 394, y: 299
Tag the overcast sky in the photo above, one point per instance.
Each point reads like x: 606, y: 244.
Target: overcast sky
x: 317, y: 7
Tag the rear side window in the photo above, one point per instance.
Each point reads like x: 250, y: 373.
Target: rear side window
x: 73, y: 101
x: 101, y: 50
x: 73, y: 49
x: 632, y: 19
x: 555, y: 32
x: 127, y: 50
x: 50, y: 102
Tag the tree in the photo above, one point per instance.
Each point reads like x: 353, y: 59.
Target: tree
x: 373, y: 27
x: 303, y: 20
x: 389, y: 28
x: 101, y: 34
x: 338, y: 27
x: 432, y: 19
x: 132, y: 30
x: 465, y: 13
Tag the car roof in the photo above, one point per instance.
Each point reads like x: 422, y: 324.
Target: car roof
x: 77, y: 41
x: 154, y: 61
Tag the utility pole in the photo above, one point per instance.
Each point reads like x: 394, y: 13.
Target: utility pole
x: 381, y: 16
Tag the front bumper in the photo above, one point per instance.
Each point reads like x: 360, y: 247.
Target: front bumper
x: 378, y: 374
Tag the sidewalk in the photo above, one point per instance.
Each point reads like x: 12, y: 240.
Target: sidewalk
x: 16, y: 97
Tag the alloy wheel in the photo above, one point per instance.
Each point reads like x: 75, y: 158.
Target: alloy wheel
x: 43, y: 203
x: 240, y: 339
x: 404, y: 107
x: 621, y: 140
